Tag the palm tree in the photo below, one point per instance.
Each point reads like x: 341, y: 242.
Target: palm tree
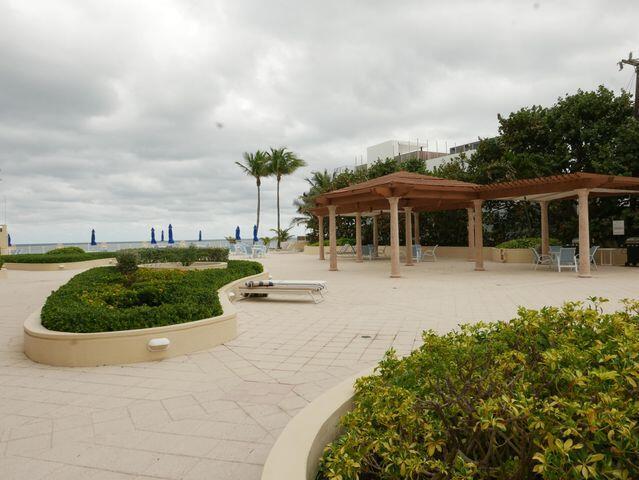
x: 282, y: 235
x: 320, y: 182
x: 282, y: 162
x: 256, y: 166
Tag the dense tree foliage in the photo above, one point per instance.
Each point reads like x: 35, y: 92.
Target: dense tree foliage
x: 584, y: 132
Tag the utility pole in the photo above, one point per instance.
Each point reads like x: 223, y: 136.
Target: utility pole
x: 635, y: 63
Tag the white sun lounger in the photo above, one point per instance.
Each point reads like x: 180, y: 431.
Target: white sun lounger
x: 312, y: 288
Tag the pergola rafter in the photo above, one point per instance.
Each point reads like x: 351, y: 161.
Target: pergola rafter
x: 414, y: 193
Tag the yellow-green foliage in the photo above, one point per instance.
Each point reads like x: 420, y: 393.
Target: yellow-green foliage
x: 552, y: 394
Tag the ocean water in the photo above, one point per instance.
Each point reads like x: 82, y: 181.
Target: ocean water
x: 115, y: 246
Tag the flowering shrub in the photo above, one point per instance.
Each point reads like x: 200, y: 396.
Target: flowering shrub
x: 552, y: 394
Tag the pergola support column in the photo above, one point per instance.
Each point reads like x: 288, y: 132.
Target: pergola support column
x: 375, y: 237
x: 471, y: 234
x: 479, y: 236
x: 358, y: 237
x: 584, y: 234
x: 320, y: 234
x: 394, y: 236
x: 409, y: 235
x: 545, y: 232
x: 332, y: 237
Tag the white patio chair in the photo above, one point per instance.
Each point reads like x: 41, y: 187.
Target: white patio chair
x: 430, y: 252
x: 592, y: 252
x: 566, y: 259
x: 541, y: 259
x: 417, y: 253
x: 367, y: 251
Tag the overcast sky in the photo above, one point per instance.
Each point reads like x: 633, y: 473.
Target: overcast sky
x: 123, y: 115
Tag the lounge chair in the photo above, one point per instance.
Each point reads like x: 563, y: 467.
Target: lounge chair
x: 263, y: 288
x: 541, y: 259
x: 430, y: 252
x: 566, y: 259
x: 239, y: 249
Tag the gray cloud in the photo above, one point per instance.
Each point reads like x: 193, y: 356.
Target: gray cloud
x: 109, y: 111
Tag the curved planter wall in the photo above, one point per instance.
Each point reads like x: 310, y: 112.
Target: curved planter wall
x: 49, y: 267
x: 296, y: 453
x: 130, y: 346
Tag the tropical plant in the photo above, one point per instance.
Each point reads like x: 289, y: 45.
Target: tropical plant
x: 282, y: 235
x: 231, y: 240
x: 255, y: 165
x: 266, y: 240
x: 551, y: 394
x: 282, y: 162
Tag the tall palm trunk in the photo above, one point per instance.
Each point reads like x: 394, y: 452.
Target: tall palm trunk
x: 257, y: 224
x: 279, y: 245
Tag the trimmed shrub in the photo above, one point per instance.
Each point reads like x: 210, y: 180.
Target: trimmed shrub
x: 552, y: 394
x: 65, y: 251
x: 127, y: 262
x: 56, y: 258
x: 528, y: 242
x: 104, y: 300
x: 189, y: 255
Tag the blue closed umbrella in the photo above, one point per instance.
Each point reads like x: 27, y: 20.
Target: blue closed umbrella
x: 153, y: 242
x: 255, y: 239
x: 9, y: 238
x: 199, y: 237
x: 237, y: 233
x: 171, y: 234
x: 93, y: 237
x: 162, y: 236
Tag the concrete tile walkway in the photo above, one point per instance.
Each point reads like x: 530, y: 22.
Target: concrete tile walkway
x: 215, y: 414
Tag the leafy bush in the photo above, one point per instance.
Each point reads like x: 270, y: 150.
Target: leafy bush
x: 103, y: 299
x: 56, y: 258
x: 528, y: 242
x: 65, y: 251
x: 340, y: 242
x: 186, y: 256
x: 552, y: 394
x: 127, y: 262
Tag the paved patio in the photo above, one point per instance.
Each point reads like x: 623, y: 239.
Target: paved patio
x: 215, y: 414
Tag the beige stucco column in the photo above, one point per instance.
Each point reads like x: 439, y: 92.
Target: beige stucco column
x: 332, y: 237
x: 358, y: 237
x: 408, y: 213
x: 479, y: 236
x: 416, y: 238
x: 545, y: 234
x: 375, y: 236
x: 394, y: 236
x: 471, y: 234
x: 320, y: 235
x: 584, y: 234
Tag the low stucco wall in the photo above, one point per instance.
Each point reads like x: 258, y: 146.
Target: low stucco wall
x: 130, y: 346
x: 49, y: 267
x: 296, y: 453
x: 186, y: 268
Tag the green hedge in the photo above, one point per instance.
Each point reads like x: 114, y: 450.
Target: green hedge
x: 56, y: 258
x: 104, y: 300
x: 340, y: 242
x: 182, y: 255
x: 65, y: 251
x: 552, y: 394
x: 528, y: 242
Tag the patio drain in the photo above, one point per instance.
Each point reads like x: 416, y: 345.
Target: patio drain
x: 365, y: 336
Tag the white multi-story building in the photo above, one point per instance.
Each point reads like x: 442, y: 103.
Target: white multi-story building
x: 399, y: 149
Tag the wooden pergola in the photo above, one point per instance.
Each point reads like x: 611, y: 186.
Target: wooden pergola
x: 414, y: 193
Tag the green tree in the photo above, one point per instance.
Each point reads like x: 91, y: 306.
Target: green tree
x: 282, y: 162
x: 256, y: 166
